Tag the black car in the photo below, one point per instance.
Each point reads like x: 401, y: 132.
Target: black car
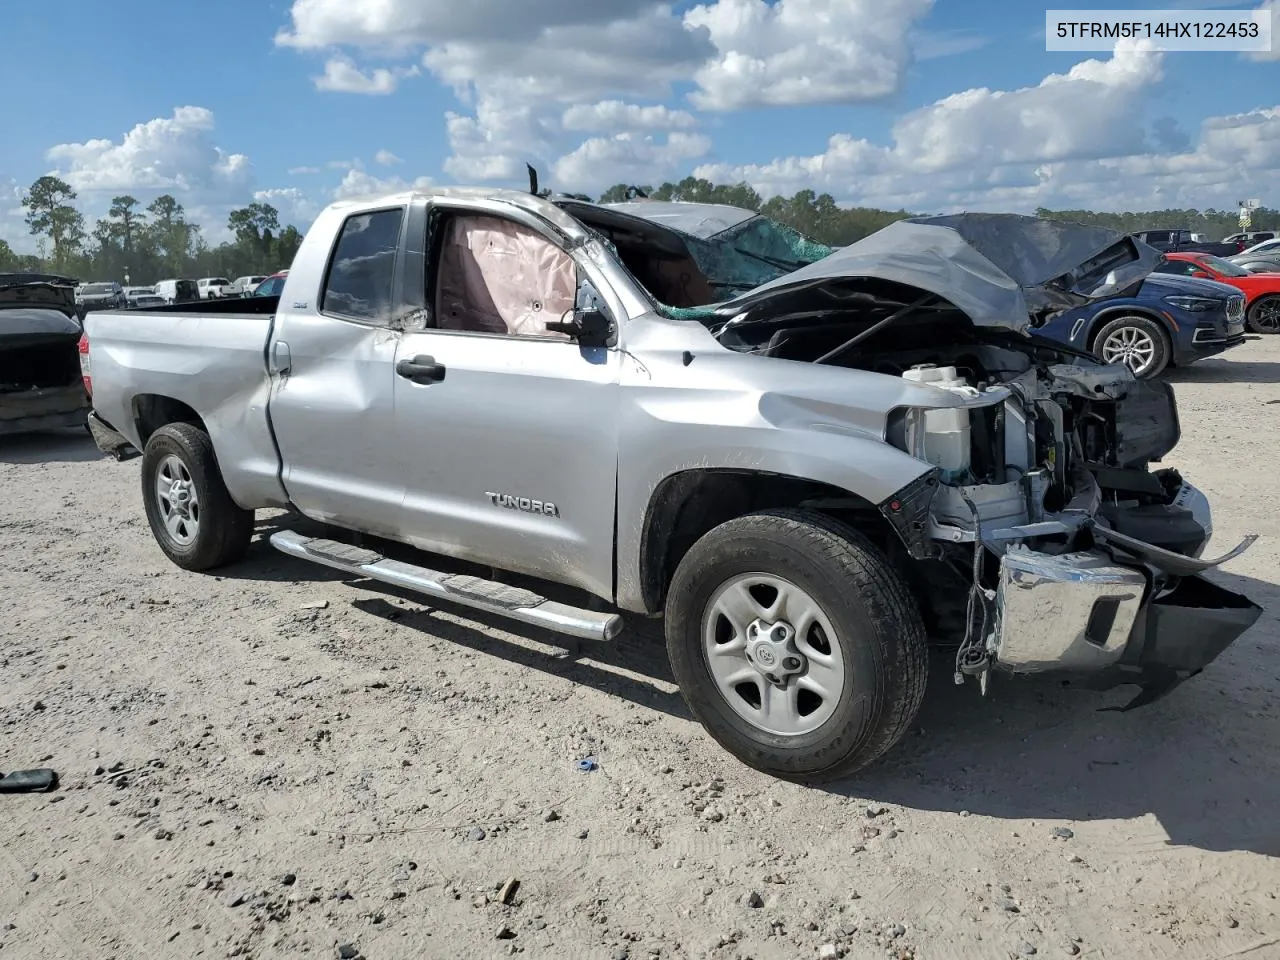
x: 41, y: 385
x: 101, y: 296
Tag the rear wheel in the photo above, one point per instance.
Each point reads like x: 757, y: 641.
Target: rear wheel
x: 1264, y: 315
x: 1139, y: 343
x: 192, y: 517
x: 796, y: 644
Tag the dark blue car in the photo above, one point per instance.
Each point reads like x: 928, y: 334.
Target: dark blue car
x: 1168, y: 321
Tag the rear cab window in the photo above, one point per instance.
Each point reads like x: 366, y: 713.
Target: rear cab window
x: 360, y: 281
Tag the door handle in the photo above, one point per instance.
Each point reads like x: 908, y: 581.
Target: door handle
x: 421, y: 369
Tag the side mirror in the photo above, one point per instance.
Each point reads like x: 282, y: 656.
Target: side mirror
x: 591, y: 328
x: 1202, y: 275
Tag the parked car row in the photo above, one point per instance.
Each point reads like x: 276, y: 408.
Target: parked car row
x: 108, y: 294
x: 1263, y: 257
x: 1171, y: 241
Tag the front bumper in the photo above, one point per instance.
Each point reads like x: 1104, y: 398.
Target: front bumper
x: 1086, y: 616
x: 1211, y: 338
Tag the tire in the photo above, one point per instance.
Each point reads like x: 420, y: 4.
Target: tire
x: 215, y: 531
x: 1264, y: 315
x: 867, y: 641
x: 1138, y: 342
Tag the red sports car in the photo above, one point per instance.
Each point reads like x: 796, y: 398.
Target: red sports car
x: 1261, y: 290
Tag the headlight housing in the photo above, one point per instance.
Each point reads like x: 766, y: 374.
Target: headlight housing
x: 1195, y: 304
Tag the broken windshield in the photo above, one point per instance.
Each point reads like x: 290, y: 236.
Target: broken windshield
x: 687, y: 265
x: 756, y: 251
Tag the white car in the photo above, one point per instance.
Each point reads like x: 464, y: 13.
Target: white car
x: 211, y: 288
x: 243, y: 286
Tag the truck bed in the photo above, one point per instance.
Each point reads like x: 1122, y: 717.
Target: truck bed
x: 207, y: 356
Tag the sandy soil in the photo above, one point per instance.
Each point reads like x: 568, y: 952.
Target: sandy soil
x: 278, y: 762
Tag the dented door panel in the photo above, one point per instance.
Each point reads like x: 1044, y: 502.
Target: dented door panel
x: 332, y: 412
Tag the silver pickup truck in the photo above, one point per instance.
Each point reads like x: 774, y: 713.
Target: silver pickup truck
x: 812, y: 463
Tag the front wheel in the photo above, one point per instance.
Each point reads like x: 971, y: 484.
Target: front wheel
x: 192, y: 517
x: 796, y: 644
x: 1264, y: 315
x: 1138, y: 342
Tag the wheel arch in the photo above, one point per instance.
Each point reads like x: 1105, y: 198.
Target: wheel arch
x: 151, y: 411
x: 690, y: 503
x: 1103, y: 317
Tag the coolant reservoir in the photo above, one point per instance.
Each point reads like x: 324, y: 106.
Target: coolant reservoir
x: 946, y: 432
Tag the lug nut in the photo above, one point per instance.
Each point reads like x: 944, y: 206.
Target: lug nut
x: 779, y: 633
x: 791, y: 663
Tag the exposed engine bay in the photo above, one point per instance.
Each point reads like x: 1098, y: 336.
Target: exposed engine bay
x: 1043, y: 476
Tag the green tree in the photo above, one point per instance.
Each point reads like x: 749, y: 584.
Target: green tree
x: 8, y: 259
x: 50, y: 214
x: 284, y: 249
x: 127, y: 222
x: 171, y: 235
x: 255, y: 226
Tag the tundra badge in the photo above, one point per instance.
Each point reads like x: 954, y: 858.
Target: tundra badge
x: 523, y: 504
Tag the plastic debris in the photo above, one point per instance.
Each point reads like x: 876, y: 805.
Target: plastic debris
x: 587, y: 764
x: 28, y: 781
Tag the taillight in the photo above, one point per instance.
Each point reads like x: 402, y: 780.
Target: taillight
x: 84, y: 364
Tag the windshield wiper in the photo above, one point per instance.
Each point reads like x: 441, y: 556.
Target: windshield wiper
x: 787, y: 265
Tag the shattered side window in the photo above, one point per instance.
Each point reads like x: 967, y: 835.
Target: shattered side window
x: 362, y: 272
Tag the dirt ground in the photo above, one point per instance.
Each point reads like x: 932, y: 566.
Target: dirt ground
x: 279, y: 762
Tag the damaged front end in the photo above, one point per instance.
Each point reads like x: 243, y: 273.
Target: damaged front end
x: 1082, y: 561
x: 1042, y: 541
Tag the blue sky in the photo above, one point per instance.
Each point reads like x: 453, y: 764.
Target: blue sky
x: 932, y: 104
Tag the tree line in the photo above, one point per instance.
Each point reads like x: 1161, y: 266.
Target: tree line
x: 148, y: 243
x: 817, y: 215
x: 158, y: 241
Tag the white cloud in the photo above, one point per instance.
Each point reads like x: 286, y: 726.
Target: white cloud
x: 936, y: 44
x: 1044, y: 122
x: 538, y: 77
x: 793, y: 52
x: 13, y: 228
x: 357, y: 185
x: 341, y: 75
x: 294, y: 206
x: 298, y: 171
x: 386, y: 158
x: 174, y: 153
x: 406, y: 24
x: 496, y: 143
x: 627, y: 158
x: 516, y: 65
x: 980, y: 141
x: 1272, y: 7
x: 608, y: 115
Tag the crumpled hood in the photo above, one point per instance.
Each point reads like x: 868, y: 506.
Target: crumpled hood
x: 999, y: 269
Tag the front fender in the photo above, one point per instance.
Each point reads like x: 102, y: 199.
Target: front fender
x: 786, y: 439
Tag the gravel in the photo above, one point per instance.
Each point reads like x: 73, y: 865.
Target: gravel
x: 395, y: 730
